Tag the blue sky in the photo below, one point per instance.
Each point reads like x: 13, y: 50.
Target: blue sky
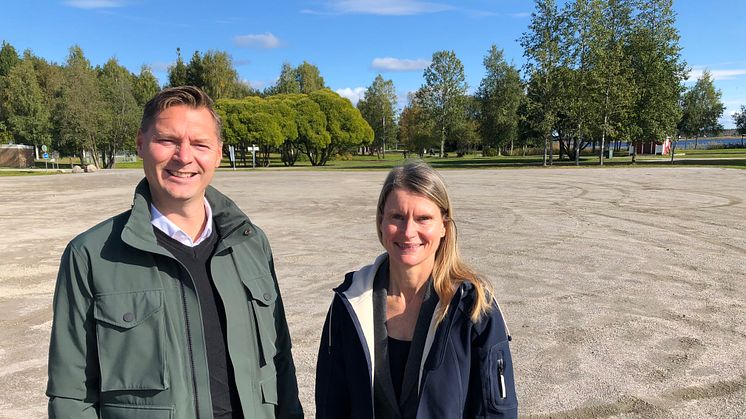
x: 351, y: 41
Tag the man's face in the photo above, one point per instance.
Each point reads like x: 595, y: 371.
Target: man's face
x: 180, y: 153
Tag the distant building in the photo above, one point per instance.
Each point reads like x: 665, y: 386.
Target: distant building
x: 17, y: 156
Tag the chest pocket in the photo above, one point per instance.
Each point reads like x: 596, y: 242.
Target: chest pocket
x: 129, y: 334
x: 262, y: 297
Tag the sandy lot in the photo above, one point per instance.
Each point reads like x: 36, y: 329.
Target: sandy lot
x: 623, y: 288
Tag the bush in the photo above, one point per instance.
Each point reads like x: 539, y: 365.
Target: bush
x: 489, y: 152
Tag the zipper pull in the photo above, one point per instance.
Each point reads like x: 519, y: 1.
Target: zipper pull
x: 500, y: 370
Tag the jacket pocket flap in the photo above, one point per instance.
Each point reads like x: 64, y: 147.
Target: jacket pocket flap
x: 127, y: 309
x: 261, y: 289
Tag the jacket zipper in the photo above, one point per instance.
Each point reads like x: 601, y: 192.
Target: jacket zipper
x: 190, y: 350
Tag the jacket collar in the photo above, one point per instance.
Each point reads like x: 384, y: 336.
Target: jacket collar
x: 232, y: 225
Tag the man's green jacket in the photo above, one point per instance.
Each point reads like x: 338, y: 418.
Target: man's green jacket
x: 127, y: 337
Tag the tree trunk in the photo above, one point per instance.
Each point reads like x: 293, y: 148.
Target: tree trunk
x: 545, y: 151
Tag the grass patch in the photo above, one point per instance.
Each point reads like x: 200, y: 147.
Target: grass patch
x: 21, y: 172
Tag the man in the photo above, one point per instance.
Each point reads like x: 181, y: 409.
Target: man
x: 172, y: 309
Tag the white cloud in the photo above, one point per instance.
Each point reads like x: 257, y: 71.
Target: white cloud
x: 397, y: 64
x: 263, y: 40
x: 386, y: 7
x: 256, y: 84
x: 730, y: 74
x: 94, y: 4
x: 354, y: 93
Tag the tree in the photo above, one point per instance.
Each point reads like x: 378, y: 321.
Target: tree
x: 309, y: 78
x: 739, y: 118
x: 614, y: 88
x: 23, y: 104
x: 121, y: 112
x: 345, y: 125
x: 701, y: 109
x: 416, y: 130
x: 444, y: 92
x: 499, y: 95
x: 177, y: 73
x: 8, y: 58
x: 288, y: 81
x: 542, y: 49
x: 145, y: 86
x: 658, y: 71
x: 311, y: 124
x: 195, y: 71
x: 377, y: 107
x: 79, y: 114
x: 219, y: 77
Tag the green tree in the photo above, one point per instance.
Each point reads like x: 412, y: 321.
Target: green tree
x: 658, y: 71
x: 377, y: 107
x: 613, y: 90
x: 282, y: 110
x: 499, y: 95
x: 416, y: 129
x: 219, y: 77
x: 8, y: 58
x: 543, y: 51
x: 739, y: 118
x: 345, y: 125
x: 79, y: 114
x: 195, y: 71
x: 310, y: 121
x: 121, y: 112
x: 23, y: 104
x: 288, y: 80
x: 177, y: 73
x: 702, y: 108
x: 309, y: 78
x: 444, y: 92
x: 145, y: 86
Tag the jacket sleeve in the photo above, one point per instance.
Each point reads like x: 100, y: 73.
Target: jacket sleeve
x: 288, y: 403
x: 73, y: 380
x: 492, y: 364
x: 332, y: 393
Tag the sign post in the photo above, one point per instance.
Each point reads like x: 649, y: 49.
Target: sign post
x: 232, y: 156
x: 253, y: 150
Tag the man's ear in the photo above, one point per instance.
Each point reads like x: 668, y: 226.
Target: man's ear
x: 139, y: 143
x: 220, y: 154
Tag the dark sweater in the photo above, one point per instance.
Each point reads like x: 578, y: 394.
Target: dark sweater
x: 196, y: 260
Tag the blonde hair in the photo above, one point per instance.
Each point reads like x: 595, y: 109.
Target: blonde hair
x: 449, y: 270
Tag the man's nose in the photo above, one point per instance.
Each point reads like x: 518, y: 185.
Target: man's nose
x: 184, y: 152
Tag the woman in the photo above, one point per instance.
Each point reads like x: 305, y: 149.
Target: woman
x: 417, y: 334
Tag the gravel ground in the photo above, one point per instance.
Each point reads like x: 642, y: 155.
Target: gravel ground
x: 623, y: 288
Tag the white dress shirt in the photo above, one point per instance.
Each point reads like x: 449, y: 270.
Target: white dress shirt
x: 172, y: 230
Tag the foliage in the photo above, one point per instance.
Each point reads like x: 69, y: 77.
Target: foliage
x: 309, y: 78
x: 121, y: 113
x: 416, y: 129
x: 177, y: 73
x: 8, y: 58
x: 23, y: 104
x: 499, y: 95
x: 701, y: 108
x: 345, y: 125
x: 212, y: 72
x: 739, y: 118
x: 658, y: 71
x: 80, y: 110
x: 443, y: 94
x: 145, y: 86
x: 543, y: 51
x: 377, y: 107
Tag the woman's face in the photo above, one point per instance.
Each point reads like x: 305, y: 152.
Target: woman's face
x: 411, y: 229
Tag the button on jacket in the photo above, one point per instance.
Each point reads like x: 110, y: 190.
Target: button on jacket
x: 466, y: 369
x: 127, y: 339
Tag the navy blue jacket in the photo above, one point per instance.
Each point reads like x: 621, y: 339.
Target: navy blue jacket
x: 467, y: 370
